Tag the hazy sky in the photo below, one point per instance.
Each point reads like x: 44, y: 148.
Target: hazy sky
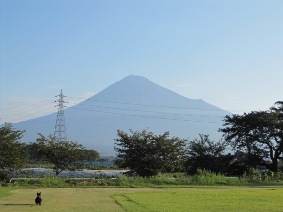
x: 226, y: 52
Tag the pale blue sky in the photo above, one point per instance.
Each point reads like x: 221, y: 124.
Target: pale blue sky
x: 228, y: 53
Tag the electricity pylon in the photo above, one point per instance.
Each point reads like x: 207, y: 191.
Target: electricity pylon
x: 60, y: 127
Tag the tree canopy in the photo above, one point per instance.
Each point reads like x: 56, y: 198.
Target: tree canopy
x: 12, y: 153
x: 146, y: 154
x: 206, y: 154
x: 258, y: 133
x: 90, y: 154
x: 63, y: 154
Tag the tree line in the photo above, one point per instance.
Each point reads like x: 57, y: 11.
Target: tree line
x: 250, y: 140
x: 64, y: 155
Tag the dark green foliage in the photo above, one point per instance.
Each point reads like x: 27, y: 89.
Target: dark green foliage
x: 34, y: 155
x: 37, y: 159
x: 62, y: 154
x: 258, y: 134
x: 90, y: 154
x: 202, y: 177
x: 257, y: 176
x: 241, y: 162
x: 12, y: 153
x: 146, y: 154
x: 208, y: 155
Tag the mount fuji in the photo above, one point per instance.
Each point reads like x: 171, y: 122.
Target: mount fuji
x: 132, y: 103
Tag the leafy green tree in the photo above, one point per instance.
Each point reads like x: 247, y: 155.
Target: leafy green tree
x: 207, y: 155
x: 63, y: 154
x: 33, y: 153
x: 91, y: 154
x: 257, y: 133
x: 242, y: 162
x: 146, y: 154
x: 12, y: 153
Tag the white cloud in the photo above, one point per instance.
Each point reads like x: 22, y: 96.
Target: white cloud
x: 16, y: 109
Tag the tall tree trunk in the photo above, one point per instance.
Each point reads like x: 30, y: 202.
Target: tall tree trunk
x: 274, y: 165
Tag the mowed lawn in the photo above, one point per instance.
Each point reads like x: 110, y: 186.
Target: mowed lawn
x: 64, y: 199
x: 204, y: 199
x: 146, y: 199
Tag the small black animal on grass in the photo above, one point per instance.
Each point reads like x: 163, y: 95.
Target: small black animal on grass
x: 38, y: 198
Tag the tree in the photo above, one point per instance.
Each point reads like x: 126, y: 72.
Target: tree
x: 206, y: 154
x: 146, y: 154
x: 34, y: 155
x: 63, y: 154
x: 242, y: 162
x: 91, y: 154
x: 12, y: 153
x: 257, y: 133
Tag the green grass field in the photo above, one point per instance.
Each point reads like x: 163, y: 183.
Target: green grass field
x: 204, y: 199
x: 145, y: 199
x: 64, y: 199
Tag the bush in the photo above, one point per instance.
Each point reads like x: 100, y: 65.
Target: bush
x: 204, y: 177
x: 255, y: 176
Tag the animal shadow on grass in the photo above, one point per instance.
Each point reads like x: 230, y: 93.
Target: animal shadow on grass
x: 17, y: 204
x: 38, y: 201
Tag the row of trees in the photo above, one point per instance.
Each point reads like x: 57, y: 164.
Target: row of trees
x: 251, y: 140
x: 146, y: 154
x: 63, y: 155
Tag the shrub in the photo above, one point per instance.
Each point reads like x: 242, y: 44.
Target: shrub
x: 204, y: 177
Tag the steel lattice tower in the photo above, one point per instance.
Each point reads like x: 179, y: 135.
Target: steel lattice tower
x: 60, y: 127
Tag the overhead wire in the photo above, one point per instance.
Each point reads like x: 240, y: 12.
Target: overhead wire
x: 143, y: 116
x: 149, y: 105
x: 147, y: 111
x: 78, y: 107
x: 30, y: 109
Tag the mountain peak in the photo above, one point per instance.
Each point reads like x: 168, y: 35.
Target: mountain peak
x: 137, y: 86
x: 135, y: 79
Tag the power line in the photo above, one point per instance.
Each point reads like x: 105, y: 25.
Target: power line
x: 149, y: 105
x: 147, y: 111
x: 143, y: 105
x: 144, y: 116
x: 31, y: 109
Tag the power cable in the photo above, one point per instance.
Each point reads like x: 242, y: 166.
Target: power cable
x: 143, y: 116
x: 148, y: 111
